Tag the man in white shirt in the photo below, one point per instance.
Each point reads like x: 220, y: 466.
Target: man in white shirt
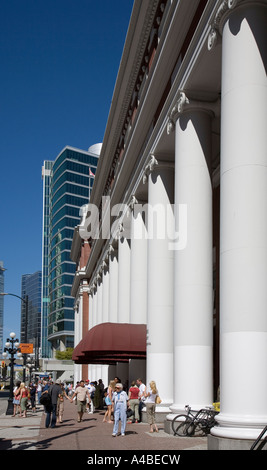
x: 90, y: 404
x: 142, y: 389
x: 81, y: 392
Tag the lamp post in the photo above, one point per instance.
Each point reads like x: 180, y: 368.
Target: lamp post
x: 26, y: 324
x: 30, y: 365
x: 11, y: 347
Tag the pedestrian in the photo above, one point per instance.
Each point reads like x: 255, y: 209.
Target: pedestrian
x: 117, y: 380
x: 134, y: 401
x: 120, y: 400
x: 81, y: 392
x: 150, y: 403
x: 33, y: 396
x: 60, y: 404
x: 16, y: 399
x: 90, y: 402
x: 142, y: 390
x: 24, y: 396
x: 51, y: 410
x: 39, y: 390
x: 98, y: 398
x: 109, y: 401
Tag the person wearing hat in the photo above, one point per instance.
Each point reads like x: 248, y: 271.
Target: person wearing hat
x: 120, y: 400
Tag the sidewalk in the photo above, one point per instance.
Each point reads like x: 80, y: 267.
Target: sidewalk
x: 91, y: 434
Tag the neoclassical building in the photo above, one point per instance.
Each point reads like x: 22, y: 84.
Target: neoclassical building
x: 172, y: 250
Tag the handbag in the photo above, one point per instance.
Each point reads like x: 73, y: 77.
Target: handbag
x: 129, y: 413
x: 158, y: 400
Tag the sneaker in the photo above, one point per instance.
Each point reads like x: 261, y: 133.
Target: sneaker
x: 114, y: 435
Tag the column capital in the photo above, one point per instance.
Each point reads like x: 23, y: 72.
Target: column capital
x: 186, y: 104
x: 131, y: 203
x: 224, y: 10
x: 112, y: 248
x: 84, y: 289
x: 150, y: 166
x: 154, y: 163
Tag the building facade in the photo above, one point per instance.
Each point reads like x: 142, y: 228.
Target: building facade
x: 67, y: 185
x: 182, y: 183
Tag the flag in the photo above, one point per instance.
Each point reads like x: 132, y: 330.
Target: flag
x: 91, y: 173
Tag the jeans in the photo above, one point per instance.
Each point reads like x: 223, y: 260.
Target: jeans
x: 119, y: 414
x: 52, y: 409
x: 141, y: 406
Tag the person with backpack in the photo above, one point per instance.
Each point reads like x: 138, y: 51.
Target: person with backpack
x: 49, y: 399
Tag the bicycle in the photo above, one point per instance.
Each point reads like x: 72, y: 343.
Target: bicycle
x: 190, y: 424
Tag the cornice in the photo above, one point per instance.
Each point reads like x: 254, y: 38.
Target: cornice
x: 123, y: 95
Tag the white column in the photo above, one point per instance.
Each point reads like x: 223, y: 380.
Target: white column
x: 91, y: 294
x: 138, y: 291
x: 77, y: 334
x: 99, y: 298
x: 243, y: 276
x: 95, y: 296
x: 91, y: 302
x: 113, y: 285
x: 105, y: 300
x: 124, y: 257
x: 193, y: 291
x: 160, y: 281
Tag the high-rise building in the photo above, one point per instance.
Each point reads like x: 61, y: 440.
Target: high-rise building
x: 67, y: 185
x: 2, y: 270
x: 30, y: 331
x: 46, y: 176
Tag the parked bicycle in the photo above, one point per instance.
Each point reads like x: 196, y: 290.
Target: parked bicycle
x: 189, y: 423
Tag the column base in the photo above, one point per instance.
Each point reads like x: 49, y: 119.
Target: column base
x: 222, y: 443
x: 238, y: 427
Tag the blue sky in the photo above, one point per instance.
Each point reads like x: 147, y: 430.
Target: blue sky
x: 59, y: 61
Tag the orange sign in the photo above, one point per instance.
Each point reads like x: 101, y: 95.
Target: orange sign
x: 26, y: 348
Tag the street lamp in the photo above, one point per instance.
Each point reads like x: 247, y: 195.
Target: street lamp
x: 11, y: 347
x: 30, y: 365
x: 26, y: 323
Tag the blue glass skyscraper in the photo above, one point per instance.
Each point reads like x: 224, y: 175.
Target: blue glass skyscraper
x: 69, y: 181
x: 30, y: 331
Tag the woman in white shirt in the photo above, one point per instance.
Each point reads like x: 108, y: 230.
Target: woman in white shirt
x: 151, y: 405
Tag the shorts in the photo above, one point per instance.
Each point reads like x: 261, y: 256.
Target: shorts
x: 108, y: 401
x: 81, y: 406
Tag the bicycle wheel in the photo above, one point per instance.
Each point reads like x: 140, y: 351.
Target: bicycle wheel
x: 180, y: 425
x: 200, y: 428
x: 190, y: 431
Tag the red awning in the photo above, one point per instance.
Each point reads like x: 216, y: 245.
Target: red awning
x: 108, y: 343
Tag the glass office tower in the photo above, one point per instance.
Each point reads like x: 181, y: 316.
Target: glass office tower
x: 30, y: 330
x: 70, y: 183
x: 46, y: 176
